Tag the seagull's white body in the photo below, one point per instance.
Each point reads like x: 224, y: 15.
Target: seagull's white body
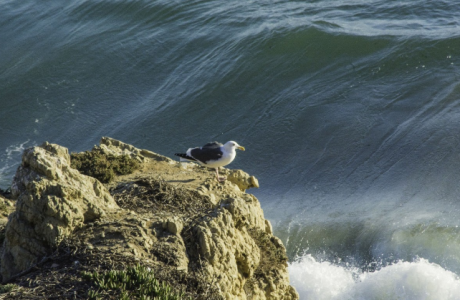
x: 212, y: 155
x: 228, y: 155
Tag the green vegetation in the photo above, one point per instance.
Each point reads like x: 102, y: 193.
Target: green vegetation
x: 103, y: 166
x: 135, y: 282
x: 7, y: 288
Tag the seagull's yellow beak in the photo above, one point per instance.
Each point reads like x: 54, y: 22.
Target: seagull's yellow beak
x: 241, y: 148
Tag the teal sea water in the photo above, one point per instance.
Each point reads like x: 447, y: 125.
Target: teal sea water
x: 349, y: 112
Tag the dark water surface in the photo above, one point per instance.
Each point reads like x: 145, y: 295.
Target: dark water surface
x: 349, y: 111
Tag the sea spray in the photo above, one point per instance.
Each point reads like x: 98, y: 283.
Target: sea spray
x: 418, y: 280
x: 407, y: 280
x: 9, y: 160
x: 320, y: 280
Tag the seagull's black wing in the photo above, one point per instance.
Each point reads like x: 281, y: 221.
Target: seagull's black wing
x: 212, y: 145
x: 210, y: 151
x: 183, y: 155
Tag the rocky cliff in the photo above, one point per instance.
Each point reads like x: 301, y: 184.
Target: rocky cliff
x: 207, y: 239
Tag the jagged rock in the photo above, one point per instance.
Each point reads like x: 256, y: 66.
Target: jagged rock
x: 230, y: 241
x: 233, y: 245
x: 230, y: 255
x: 116, y: 147
x: 243, y: 180
x: 173, y: 218
x: 52, y: 201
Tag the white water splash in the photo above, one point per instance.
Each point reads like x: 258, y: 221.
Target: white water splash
x: 9, y: 160
x: 418, y: 280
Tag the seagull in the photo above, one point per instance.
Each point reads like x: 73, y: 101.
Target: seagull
x: 212, y: 155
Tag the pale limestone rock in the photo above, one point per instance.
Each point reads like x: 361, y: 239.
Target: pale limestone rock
x: 242, y: 179
x: 246, y: 211
x: 223, y: 246
x: 115, y: 147
x: 230, y: 255
x: 53, y: 200
x: 268, y: 227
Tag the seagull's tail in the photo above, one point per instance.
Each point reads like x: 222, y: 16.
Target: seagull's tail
x: 184, y: 157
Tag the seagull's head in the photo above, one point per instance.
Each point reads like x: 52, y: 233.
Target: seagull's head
x: 231, y: 145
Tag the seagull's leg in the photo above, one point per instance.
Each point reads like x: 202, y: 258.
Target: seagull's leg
x: 220, y: 179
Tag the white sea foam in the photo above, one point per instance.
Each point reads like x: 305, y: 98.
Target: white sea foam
x: 9, y: 159
x: 319, y: 280
x: 418, y: 280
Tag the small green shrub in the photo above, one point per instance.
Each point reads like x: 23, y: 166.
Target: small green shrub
x: 103, y: 166
x: 7, y: 288
x: 135, y: 281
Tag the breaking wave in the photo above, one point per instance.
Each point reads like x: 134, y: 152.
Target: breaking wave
x: 418, y: 280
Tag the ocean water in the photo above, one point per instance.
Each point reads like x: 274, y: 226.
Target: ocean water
x: 349, y: 112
